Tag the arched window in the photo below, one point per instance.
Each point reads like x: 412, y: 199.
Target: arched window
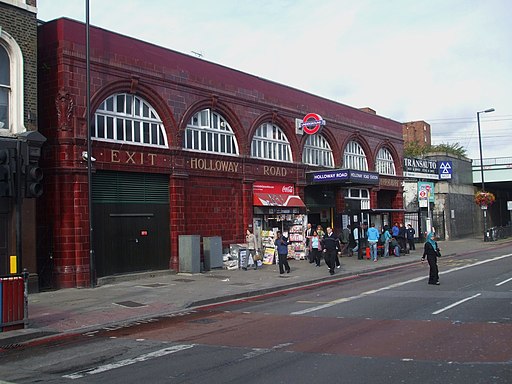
x: 5, y: 88
x: 385, y: 164
x: 270, y: 143
x: 11, y: 85
x: 354, y: 157
x: 317, y: 151
x: 130, y: 119
x: 207, y: 131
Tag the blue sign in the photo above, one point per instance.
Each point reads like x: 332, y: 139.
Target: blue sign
x: 343, y: 176
x: 445, y: 170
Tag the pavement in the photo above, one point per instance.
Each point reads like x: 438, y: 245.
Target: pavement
x: 127, y: 299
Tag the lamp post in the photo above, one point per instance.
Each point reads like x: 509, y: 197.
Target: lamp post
x: 484, y: 208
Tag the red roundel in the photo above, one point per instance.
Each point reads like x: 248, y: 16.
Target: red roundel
x: 311, y: 123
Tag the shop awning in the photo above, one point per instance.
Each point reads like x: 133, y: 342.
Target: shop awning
x: 277, y: 200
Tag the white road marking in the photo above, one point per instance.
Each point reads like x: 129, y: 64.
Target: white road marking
x: 123, y: 363
x: 365, y: 294
x: 455, y: 304
x: 503, y: 282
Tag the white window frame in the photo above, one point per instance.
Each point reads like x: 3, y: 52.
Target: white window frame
x: 209, y: 132
x: 361, y: 194
x: 270, y: 143
x: 317, y: 152
x: 16, y: 122
x: 127, y: 118
x: 384, y: 163
x: 354, y: 157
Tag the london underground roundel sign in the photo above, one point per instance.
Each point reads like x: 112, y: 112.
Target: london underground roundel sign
x: 311, y: 123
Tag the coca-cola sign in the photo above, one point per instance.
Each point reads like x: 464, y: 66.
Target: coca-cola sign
x: 269, y: 187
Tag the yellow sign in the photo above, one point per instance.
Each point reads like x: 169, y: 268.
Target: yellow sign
x: 13, y: 264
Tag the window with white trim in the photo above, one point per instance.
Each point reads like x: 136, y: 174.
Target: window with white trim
x: 354, y: 157
x: 317, y: 151
x: 270, y: 143
x: 359, y: 194
x: 130, y: 119
x: 11, y: 85
x: 207, y: 131
x: 384, y: 162
x: 5, y: 88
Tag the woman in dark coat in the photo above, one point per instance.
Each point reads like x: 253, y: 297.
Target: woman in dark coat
x: 431, y: 252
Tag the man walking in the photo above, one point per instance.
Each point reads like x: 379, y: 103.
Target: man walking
x: 330, y: 246
x: 344, y: 239
x: 373, y: 238
x: 410, y: 232
x: 281, y: 244
x: 363, y: 241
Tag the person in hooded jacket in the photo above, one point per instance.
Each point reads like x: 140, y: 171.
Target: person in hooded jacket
x: 431, y: 253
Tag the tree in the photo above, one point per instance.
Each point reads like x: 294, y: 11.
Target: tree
x: 416, y: 149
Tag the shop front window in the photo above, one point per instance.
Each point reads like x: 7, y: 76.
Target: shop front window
x: 385, y: 164
x: 354, y: 157
x: 317, y: 152
x: 208, y: 131
x: 270, y: 143
x: 129, y: 119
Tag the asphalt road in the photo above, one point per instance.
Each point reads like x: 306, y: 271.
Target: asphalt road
x: 390, y: 327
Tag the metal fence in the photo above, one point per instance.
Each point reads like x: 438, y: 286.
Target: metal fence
x: 419, y: 223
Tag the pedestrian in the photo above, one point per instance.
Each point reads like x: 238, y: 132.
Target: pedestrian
x: 363, y: 241
x: 393, y: 244
x: 394, y: 230
x: 355, y: 236
x: 320, y: 231
x: 315, y: 247
x: 281, y: 244
x: 387, y: 241
x: 250, y: 239
x: 401, y: 238
x: 431, y: 252
x: 330, y: 246
x: 410, y: 232
x: 307, y: 237
x: 351, y: 242
x: 373, y: 239
x: 345, y: 239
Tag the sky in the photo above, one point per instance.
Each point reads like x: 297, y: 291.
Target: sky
x: 440, y: 61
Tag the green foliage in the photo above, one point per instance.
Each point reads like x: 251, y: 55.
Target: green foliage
x: 416, y: 149
x: 453, y: 148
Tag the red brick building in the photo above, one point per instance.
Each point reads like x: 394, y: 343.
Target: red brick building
x: 183, y: 146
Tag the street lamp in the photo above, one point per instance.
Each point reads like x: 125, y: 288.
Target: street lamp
x: 484, y: 209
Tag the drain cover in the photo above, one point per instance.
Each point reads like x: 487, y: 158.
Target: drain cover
x: 130, y: 304
x: 203, y: 321
x: 155, y: 285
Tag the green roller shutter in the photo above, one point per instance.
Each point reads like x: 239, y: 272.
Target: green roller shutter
x: 119, y: 187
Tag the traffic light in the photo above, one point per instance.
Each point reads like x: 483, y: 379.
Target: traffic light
x: 33, y: 173
x: 6, y: 177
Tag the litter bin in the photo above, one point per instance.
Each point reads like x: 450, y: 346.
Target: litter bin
x: 12, y: 303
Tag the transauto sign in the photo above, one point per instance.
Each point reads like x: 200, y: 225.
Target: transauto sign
x: 311, y: 123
